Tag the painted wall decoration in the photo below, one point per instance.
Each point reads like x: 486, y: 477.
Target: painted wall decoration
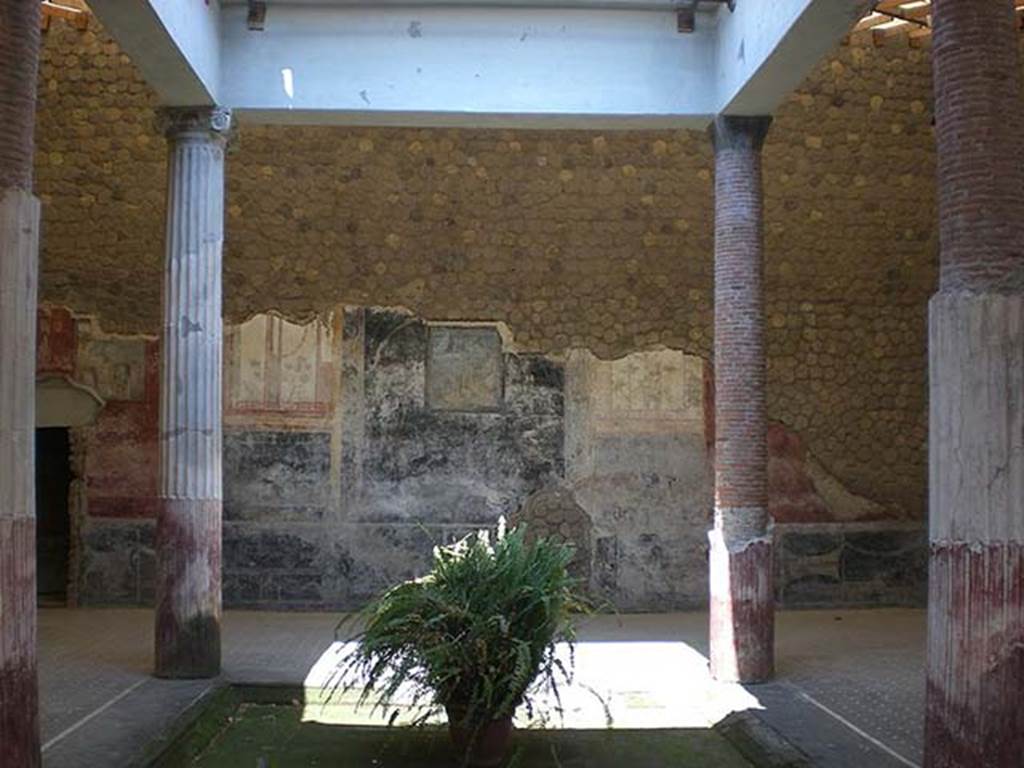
x: 56, y: 341
x: 114, y: 367
x: 464, y: 369
x: 649, y: 392
x: 272, y: 364
x: 353, y: 445
x: 638, y: 462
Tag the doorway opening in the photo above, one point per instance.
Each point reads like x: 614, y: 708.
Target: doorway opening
x: 53, y: 518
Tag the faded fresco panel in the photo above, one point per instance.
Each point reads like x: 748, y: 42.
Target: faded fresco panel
x: 637, y: 463
x: 248, y: 345
x: 464, y: 369
x: 114, y: 368
x: 56, y: 341
x: 276, y: 365
x: 659, y: 392
x: 303, y: 353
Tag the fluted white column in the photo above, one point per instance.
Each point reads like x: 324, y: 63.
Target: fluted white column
x: 189, y: 528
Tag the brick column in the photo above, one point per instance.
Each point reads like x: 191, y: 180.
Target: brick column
x: 975, y: 694
x: 188, y: 538
x: 19, y: 254
x: 742, y: 610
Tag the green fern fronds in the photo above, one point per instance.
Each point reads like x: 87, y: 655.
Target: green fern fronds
x: 476, y: 635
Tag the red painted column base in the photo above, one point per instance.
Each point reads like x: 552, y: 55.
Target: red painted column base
x: 975, y: 696
x: 742, y: 612
x: 19, y: 704
x: 188, y: 589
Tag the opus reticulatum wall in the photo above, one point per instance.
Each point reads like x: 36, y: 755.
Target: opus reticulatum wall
x: 586, y: 251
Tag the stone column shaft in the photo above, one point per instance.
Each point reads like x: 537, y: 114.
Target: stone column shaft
x: 741, y: 600
x: 19, y: 249
x: 19, y: 253
x: 188, y: 537
x: 975, y: 690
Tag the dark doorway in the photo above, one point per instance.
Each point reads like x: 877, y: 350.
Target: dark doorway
x: 53, y: 520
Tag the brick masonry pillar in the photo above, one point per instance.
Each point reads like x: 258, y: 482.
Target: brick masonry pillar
x: 19, y: 255
x: 188, y: 537
x: 975, y: 691
x: 742, y: 611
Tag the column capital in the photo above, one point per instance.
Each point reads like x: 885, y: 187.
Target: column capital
x: 177, y: 122
x: 739, y: 131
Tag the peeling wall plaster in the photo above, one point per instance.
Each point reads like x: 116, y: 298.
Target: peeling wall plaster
x: 341, y: 471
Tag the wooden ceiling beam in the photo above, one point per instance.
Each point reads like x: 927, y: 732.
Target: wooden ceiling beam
x: 73, y: 14
x: 915, y: 16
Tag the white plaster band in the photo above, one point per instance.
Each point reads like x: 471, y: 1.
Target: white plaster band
x: 976, y: 352
x: 737, y: 536
x: 741, y: 525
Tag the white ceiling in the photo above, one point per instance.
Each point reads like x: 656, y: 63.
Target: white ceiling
x: 513, y: 63
x: 634, y: 5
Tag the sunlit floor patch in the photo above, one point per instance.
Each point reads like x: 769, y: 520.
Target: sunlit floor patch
x: 616, y: 684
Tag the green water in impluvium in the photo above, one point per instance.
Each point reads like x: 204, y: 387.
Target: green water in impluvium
x: 274, y: 736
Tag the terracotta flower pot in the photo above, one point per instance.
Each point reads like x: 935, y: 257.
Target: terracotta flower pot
x: 484, y: 748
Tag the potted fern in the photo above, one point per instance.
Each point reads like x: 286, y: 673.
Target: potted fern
x: 475, y: 637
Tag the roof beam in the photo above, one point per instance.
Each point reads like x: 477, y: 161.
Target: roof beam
x: 587, y: 5
x: 510, y: 63
x: 175, y: 44
x: 507, y: 66
x: 77, y: 16
x: 765, y: 50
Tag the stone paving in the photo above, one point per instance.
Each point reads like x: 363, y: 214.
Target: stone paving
x: 849, y: 690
